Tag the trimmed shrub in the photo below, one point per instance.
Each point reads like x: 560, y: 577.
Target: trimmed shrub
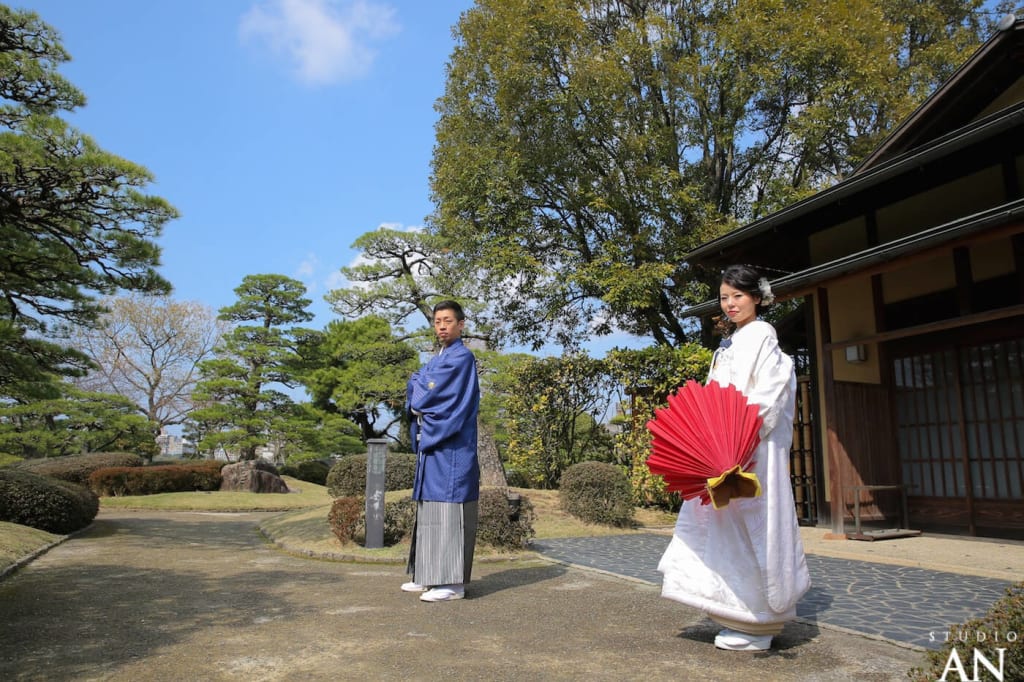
x: 78, y: 468
x: 400, y: 471
x: 597, y: 492
x: 347, y: 519
x: 7, y: 460
x: 501, y: 523
x: 310, y: 470
x: 45, y: 503
x: 348, y: 475
x: 1001, y: 628
x: 167, y: 478
x: 399, y: 520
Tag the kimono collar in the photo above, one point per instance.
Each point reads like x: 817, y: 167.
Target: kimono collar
x: 444, y: 348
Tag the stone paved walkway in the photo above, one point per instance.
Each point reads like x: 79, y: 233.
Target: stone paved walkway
x: 904, y: 605
x: 178, y: 596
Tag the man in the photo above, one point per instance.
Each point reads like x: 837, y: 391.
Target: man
x: 443, y: 398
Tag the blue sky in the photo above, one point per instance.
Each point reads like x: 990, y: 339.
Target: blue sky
x: 280, y: 129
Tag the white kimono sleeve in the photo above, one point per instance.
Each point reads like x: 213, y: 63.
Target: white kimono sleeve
x: 760, y: 369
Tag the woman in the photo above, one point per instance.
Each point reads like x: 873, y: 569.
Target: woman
x: 743, y: 564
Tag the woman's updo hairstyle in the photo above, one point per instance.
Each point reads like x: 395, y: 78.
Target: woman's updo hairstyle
x: 749, y: 281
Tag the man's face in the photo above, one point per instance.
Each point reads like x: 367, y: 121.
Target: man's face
x: 447, y: 327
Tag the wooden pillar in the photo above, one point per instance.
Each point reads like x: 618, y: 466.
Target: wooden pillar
x: 832, y: 445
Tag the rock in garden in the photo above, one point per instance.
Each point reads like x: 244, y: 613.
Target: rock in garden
x: 247, y: 477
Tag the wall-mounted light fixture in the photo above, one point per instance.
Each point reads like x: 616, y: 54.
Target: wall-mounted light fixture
x: 857, y: 353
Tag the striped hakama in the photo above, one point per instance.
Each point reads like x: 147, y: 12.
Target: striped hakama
x: 443, y: 543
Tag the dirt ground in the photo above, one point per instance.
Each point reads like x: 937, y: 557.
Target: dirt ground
x: 192, y: 596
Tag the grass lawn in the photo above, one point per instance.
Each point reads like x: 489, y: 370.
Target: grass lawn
x: 303, y: 495
x: 302, y: 527
x: 17, y: 542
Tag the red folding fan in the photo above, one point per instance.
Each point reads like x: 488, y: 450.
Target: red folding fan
x: 704, y: 443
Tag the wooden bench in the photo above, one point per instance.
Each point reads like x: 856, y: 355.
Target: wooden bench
x: 901, y: 532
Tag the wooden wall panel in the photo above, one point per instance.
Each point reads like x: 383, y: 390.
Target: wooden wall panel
x: 949, y: 514
x: 863, y: 434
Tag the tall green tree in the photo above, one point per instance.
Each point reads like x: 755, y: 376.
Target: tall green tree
x: 359, y: 370
x: 499, y: 382
x: 400, y: 275
x: 555, y: 417
x: 240, y: 391
x: 647, y: 377
x: 75, y: 223
x: 584, y: 147
x: 311, y: 433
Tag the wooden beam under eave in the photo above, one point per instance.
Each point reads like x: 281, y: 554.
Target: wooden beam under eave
x: 1013, y: 231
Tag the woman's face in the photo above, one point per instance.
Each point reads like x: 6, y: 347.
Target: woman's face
x: 739, y: 306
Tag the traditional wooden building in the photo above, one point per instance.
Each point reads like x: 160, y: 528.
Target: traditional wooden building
x: 910, y: 326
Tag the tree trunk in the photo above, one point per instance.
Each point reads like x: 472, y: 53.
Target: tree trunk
x: 492, y: 473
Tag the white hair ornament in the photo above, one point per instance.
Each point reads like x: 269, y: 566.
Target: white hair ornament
x: 767, y: 297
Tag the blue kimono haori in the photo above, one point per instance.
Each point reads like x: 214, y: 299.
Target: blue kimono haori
x: 444, y: 398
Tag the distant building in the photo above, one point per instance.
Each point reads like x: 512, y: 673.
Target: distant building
x: 174, y: 446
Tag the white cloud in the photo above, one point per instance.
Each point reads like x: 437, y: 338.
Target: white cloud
x: 308, y: 267
x: 325, y: 41
x: 336, y: 280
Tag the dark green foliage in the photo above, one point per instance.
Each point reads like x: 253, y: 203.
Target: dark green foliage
x: 241, y: 404
x: 648, y: 376
x: 169, y: 478
x: 260, y: 465
x: 554, y: 415
x: 995, y: 630
x: 358, y: 369
x: 503, y: 525
x: 597, y: 492
x: 76, y: 220
x: 400, y: 471
x: 399, y: 520
x: 72, y: 421
x: 78, y: 468
x: 348, y: 476
x: 45, y: 503
x: 310, y: 470
x: 516, y: 478
x: 347, y: 519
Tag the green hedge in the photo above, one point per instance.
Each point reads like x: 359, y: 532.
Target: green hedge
x: 78, y: 468
x: 310, y: 470
x: 347, y: 519
x: 502, y: 524
x: 347, y: 477
x: 45, y: 503
x: 597, y: 492
x: 167, y: 478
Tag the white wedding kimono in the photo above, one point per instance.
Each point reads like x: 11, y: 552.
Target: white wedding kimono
x: 745, y: 562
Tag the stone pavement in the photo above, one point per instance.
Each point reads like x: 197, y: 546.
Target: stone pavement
x: 902, y: 604
x: 180, y: 596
